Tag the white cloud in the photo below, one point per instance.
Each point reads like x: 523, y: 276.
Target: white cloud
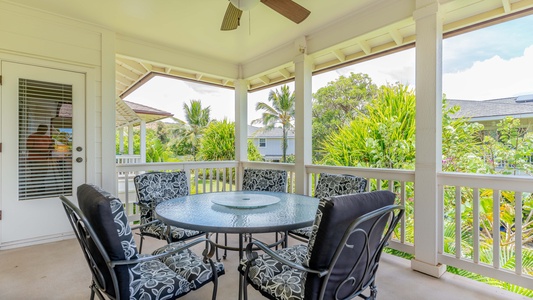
x: 487, y: 79
x: 492, y: 78
x: 169, y: 95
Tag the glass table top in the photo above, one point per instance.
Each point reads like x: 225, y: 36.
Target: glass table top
x: 200, y: 212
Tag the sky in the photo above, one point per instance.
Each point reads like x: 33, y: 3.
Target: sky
x: 490, y: 63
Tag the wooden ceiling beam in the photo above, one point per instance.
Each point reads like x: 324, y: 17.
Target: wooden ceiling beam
x: 339, y: 55
x: 396, y: 36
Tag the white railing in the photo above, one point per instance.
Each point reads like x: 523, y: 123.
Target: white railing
x: 400, y: 182
x: 456, y: 191
x: 203, y: 177
x: 483, y: 222
x: 127, y: 159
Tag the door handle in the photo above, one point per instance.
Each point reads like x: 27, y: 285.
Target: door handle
x: 79, y: 159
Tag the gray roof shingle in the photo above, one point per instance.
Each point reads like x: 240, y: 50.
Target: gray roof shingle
x: 491, y: 108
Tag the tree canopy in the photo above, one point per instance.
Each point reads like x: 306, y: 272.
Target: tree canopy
x: 279, y: 114
x: 337, y: 104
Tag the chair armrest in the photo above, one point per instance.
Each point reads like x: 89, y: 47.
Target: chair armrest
x: 208, y: 252
x: 144, y: 225
x: 251, y: 256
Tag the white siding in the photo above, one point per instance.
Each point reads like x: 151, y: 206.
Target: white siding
x: 47, y: 40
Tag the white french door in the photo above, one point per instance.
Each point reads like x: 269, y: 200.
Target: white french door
x: 43, y: 150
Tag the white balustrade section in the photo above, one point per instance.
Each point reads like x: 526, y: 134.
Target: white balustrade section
x: 220, y: 176
x: 204, y: 177
x: 493, y: 200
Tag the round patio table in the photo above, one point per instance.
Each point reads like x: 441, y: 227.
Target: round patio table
x: 243, y: 212
x: 201, y: 212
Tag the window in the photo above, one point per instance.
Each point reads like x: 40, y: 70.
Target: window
x: 45, y: 139
x: 262, y: 143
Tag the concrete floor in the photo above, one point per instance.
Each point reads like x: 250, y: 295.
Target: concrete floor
x: 59, y: 271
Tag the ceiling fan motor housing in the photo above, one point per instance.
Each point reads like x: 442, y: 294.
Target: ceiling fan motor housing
x: 244, y: 5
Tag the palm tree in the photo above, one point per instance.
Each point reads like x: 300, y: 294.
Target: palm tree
x: 196, y: 120
x: 280, y: 113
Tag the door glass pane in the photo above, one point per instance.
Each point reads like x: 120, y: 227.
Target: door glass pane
x: 45, y: 139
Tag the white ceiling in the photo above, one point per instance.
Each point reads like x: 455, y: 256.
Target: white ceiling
x: 337, y: 31
x: 194, y: 25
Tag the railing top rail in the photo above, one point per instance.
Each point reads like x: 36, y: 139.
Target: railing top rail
x: 175, y: 166
x: 269, y: 165
x: 498, y: 182
x: 388, y: 174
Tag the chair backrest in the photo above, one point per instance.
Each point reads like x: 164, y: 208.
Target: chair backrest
x: 155, y: 187
x: 348, y: 236
x: 104, y: 234
x: 264, y: 180
x: 338, y: 184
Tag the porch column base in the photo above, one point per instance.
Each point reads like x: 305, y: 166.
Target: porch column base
x: 431, y: 270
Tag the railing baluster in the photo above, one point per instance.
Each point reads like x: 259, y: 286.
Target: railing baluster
x: 496, y: 228
x: 458, y: 221
x: 475, y: 224
x: 403, y: 197
x: 518, y: 232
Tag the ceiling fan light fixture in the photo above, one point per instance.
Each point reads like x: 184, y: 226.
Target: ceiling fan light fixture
x: 244, y: 5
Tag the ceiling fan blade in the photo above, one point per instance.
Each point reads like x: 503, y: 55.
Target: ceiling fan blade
x: 289, y: 9
x: 231, y: 18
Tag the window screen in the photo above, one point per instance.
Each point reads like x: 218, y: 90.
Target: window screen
x: 45, y: 139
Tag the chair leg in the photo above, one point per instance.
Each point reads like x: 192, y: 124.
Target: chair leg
x: 216, y: 249
x: 94, y: 290
x: 225, y: 244
x: 215, y: 280
x: 373, y: 291
x: 141, y: 244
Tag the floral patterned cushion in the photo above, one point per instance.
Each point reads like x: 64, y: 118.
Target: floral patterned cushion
x: 189, y: 265
x: 168, y: 278
x: 275, y: 280
x: 106, y: 215
x: 336, y: 184
x: 333, y: 185
x: 159, y: 230
x: 264, y: 180
x: 154, y: 188
x: 333, y: 217
x: 153, y: 280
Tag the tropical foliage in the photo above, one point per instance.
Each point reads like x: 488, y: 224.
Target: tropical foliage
x: 218, y: 143
x: 384, y: 137
x: 337, y: 104
x: 279, y: 114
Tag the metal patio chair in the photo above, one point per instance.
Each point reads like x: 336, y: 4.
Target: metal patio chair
x: 329, y: 185
x: 118, y: 270
x: 153, y: 188
x: 341, y: 259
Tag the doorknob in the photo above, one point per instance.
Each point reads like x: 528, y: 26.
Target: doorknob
x: 79, y: 149
x: 79, y: 159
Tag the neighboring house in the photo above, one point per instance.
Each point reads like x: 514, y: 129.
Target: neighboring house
x: 490, y: 112
x: 129, y: 115
x: 269, y: 142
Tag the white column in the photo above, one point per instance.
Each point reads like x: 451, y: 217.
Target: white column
x: 303, y: 120
x: 428, y: 136
x: 130, y: 139
x: 143, y: 141
x: 241, y: 126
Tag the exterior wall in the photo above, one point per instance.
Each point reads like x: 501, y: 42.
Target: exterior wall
x: 273, y: 146
x: 47, y: 40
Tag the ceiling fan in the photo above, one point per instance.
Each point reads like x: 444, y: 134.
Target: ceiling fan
x: 288, y: 8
